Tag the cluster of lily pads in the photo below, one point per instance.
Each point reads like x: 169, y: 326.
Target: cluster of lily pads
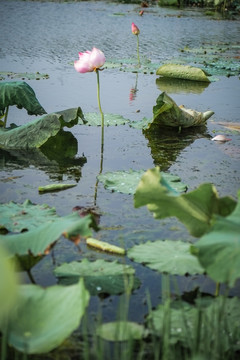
x: 37, y: 320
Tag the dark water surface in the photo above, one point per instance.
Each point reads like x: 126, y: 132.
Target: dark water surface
x: 46, y: 37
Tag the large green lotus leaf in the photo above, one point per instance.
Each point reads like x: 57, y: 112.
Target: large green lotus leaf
x: 100, y: 276
x: 166, y: 256
x: 35, y: 133
x: 27, y: 216
x: 186, y: 72
x: 219, y: 250
x: 195, y: 209
x: 126, y: 182
x: 167, y: 113
x: 95, y: 119
x: 43, y: 318
x: 8, y: 284
x: 37, y: 241
x: 19, y: 93
x: 222, y: 313
x: 121, y: 331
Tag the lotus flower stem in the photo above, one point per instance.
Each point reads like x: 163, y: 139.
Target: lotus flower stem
x: 138, y: 50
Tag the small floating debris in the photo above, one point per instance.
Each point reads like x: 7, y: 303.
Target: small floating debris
x: 221, y: 138
x: 54, y: 187
x: 104, y: 246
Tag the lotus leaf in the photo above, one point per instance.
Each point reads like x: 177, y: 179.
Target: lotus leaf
x: 195, y: 210
x: 121, y: 331
x: 168, y: 113
x: 100, y: 276
x: 172, y: 257
x: 95, y: 119
x: 126, y: 182
x: 35, y: 133
x: 38, y: 240
x: 183, y: 72
x: 219, y: 250
x: 222, y: 313
x: 27, y: 216
x: 19, y: 93
x: 23, y: 76
x: 43, y: 318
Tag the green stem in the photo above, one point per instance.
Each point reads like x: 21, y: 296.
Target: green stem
x: 102, y: 135
x: 217, y: 289
x: 138, y: 50
x: 5, y: 118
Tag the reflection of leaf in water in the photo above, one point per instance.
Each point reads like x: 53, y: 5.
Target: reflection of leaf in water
x: 54, y: 157
x: 180, y: 86
x: 167, y: 144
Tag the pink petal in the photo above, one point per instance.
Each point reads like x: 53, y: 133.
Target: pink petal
x: 81, y: 66
x: 97, y: 58
x: 221, y: 138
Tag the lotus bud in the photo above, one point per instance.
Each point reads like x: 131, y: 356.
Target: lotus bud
x: 135, y: 29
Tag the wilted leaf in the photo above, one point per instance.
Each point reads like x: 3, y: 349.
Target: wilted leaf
x: 219, y: 250
x: 168, y: 113
x: 104, y: 246
x: 100, y: 276
x: 35, y: 133
x: 182, y: 72
x: 43, y: 318
x: 121, y: 331
x: 126, y: 182
x: 19, y: 93
x: 195, y: 209
x: 39, y: 239
x: 55, y: 187
x: 172, y: 257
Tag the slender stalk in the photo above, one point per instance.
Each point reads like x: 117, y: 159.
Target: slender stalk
x: 138, y: 50
x: 5, y: 118
x: 102, y: 135
x: 217, y: 289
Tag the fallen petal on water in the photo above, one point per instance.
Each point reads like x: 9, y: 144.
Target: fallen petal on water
x: 221, y: 138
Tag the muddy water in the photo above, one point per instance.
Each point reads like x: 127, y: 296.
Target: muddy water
x: 46, y: 37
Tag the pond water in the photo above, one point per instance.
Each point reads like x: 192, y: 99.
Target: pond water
x: 46, y: 37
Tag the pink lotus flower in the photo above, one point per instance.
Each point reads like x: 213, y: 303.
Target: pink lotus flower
x: 135, y: 29
x: 89, y: 61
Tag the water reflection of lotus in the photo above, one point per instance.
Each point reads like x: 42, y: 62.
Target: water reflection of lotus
x: 166, y: 145
x: 180, y: 86
x: 54, y: 157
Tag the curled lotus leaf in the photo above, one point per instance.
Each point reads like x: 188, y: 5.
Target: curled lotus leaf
x: 186, y: 72
x: 167, y: 113
x: 19, y: 93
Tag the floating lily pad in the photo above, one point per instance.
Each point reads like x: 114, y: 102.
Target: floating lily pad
x: 219, y: 250
x: 166, y: 256
x: 23, y: 76
x: 183, y: 72
x: 38, y: 240
x: 121, y: 331
x: 43, y: 318
x: 26, y: 216
x: 126, y: 182
x: 196, y: 209
x: 131, y: 65
x: 100, y: 276
x: 167, y: 113
x: 19, y: 93
x: 95, y: 119
x: 36, y: 133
